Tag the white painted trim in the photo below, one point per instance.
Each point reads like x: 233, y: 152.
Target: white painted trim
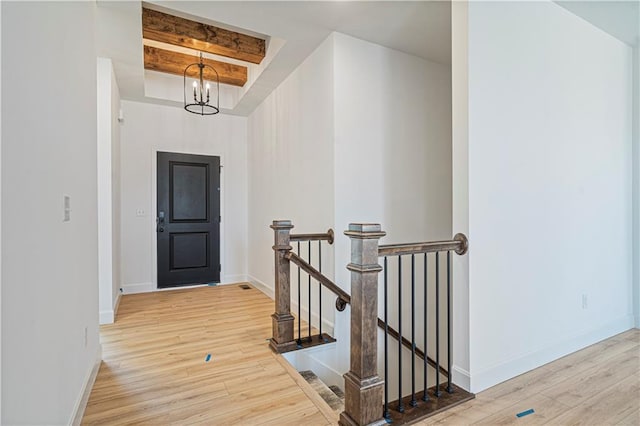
x: 85, y: 392
x: 233, y: 279
x: 137, y: 288
x: 508, y: 369
x: 109, y: 316
x: 269, y: 291
x: 153, y: 209
x: 116, y: 305
x: 461, y: 377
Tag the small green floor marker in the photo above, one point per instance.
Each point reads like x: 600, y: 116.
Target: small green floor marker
x: 525, y: 413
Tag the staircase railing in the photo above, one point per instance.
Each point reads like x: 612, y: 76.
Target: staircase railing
x: 366, y: 394
x: 283, y: 321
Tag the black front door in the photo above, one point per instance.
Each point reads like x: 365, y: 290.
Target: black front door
x: 188, y: 222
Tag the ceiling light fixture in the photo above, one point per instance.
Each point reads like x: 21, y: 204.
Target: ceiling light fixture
x: 201, y: 89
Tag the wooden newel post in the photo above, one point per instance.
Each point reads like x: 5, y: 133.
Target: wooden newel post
x: 363, y: 387
x: 282, y: 337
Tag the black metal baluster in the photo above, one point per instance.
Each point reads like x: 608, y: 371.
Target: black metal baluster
x: 299, y: 339
x: 309, y: 244
x: 413, y: 402
x: 425, y: 396
x: 400, y: 404
x: 438, y: 393
x: 320, y: 288
x: 449, y: 388
x: 385, y: 413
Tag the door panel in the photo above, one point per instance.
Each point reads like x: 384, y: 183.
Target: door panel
x: 189, y: 192
x: 188, y: 219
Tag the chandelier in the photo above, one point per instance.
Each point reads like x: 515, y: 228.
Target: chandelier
x: 200, y: 90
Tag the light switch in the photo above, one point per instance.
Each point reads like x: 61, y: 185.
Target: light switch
x: 67, y: 208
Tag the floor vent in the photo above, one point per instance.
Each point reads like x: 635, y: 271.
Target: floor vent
x: 245, y: 286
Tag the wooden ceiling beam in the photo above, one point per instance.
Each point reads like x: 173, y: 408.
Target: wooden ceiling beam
x: 162, y: 60
x: 178, y: 31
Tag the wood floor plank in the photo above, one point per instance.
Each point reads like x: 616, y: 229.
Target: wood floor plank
x: 608, y: 407
x: 587, y: 384
x: 155, y: 372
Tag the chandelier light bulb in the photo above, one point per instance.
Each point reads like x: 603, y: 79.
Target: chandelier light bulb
x: 200, y: 104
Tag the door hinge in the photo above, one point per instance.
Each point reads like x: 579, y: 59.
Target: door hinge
x: 219, y: 219
x: 219, y: 268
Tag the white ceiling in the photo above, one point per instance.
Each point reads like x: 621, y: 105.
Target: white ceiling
x: 621, y: 19
x: 420, y: 28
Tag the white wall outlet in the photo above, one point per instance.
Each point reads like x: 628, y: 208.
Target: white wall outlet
x: 67, y: 208
x: 140, y: 212
x: 585, y: 301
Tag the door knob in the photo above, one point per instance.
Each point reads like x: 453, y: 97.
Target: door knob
x: 161, y: 229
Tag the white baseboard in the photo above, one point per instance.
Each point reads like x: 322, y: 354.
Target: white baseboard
x: 108, y: 316
x: 518, y: 365
x: 136, y: 288
x: 83, y: 398
x: 233, y: 279
x: 261, y: 286
x: 117, y: 305
x: 461, y: 377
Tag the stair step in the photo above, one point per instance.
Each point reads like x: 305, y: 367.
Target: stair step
x: 330, y: 394
x: 339, y: 393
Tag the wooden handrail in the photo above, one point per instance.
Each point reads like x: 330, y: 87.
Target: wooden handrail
x: 407, y: 344
x: 459, y: 244
x: 327, y: 236
x: 343, y: 297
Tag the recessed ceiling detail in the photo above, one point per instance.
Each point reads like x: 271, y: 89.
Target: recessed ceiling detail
x: 170, y: 62
x: 182, y: 32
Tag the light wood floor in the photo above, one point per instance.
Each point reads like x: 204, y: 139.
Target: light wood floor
x: 154, y: 372
x: 599, y: 385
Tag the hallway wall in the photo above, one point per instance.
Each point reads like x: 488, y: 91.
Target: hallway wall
x: 549, y: 196
x: 50, y: 338
x: 291, y: 168
x: 108, y: 191
x: 149, y: 128
x: 359, y: 132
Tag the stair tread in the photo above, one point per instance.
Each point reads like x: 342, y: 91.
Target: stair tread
x: 326, y: 393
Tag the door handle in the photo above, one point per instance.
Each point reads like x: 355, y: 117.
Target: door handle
x: 160, y: 221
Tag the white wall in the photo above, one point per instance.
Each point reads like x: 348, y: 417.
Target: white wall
x: 376, y: 123
x: 460, y: 187
x: 636, y: 182
x: 549, y: 187
x: 108, y: 99
x: 116, y: 249
x: 392, y: 161
x: 0, y: 221
x: 50, y: 274
x: 290, y: 139
x: 148, y: 128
